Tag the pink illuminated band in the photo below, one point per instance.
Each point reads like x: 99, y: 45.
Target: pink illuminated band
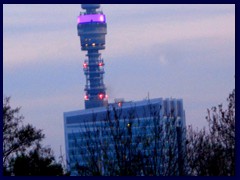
x: 101, y: 18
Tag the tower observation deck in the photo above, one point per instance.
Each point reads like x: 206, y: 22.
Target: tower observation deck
x: 92, y: 29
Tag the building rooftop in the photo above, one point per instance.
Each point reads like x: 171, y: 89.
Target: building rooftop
x: 140, y: 109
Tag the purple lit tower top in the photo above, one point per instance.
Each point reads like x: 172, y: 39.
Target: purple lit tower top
x: 91, y: 18
x: 91, y: 14
x: 92, y: 29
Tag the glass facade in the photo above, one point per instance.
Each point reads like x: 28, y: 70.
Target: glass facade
x: 109, y: 137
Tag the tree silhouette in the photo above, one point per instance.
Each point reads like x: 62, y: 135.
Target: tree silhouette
x: 211, y: 152
x: 38, y: 162
x: 22, y: 151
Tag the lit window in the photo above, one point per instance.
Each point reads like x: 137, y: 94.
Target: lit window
x: 93, y: 44
x: 101, y: 18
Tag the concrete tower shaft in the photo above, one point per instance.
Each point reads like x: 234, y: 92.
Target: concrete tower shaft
x: 92, y: 29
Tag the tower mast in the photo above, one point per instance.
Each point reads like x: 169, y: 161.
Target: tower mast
x: 92, y: 29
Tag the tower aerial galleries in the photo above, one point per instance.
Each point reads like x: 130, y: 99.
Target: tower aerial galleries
x: 92, y: 29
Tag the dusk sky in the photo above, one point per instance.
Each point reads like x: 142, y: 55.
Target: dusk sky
x: 178, y: 51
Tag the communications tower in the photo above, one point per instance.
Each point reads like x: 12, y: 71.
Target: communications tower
x: 92, y: 29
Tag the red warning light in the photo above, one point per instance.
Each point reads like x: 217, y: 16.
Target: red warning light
x: 106, y: 96
x: 85, y: 65
x: 101, y: 96
x: 100, y: 64
x: 86, y: 97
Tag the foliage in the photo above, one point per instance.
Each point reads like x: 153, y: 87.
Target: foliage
x: 16, y: 136
x: 212, y: 152
x: 38, y: 162
x: 22, y: 152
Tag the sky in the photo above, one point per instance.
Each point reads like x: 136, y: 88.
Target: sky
x: 168, y: 51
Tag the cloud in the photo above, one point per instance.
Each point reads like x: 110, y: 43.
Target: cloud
x: 56, y: 35
x: 131, y: 38
x: 162, y: 59
x: 38, y: 33
x: 32, y: 47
